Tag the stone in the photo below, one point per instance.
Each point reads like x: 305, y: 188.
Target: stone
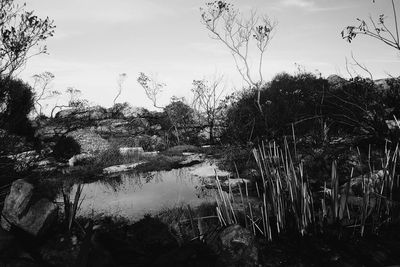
x: 336, y: 81
x: 122, y: 168
x: 237, y: 247
x: 20, y: 210
x: 89, y: 141
x: 80, y: 159
x: 131, y: 151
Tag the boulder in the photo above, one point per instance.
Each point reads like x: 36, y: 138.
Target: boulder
x: 89, y: 141
x: 23, y: 211
x: 91, y: 113
x: 237, y: 247
x: 122, y: 168
x: 130, y: 112
x: 131, y: 151
x: 336, y: 81
x: 80, y: 159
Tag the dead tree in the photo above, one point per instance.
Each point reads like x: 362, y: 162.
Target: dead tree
x: 120, y: 82
x: 239, y: 34
x: 42, y: 87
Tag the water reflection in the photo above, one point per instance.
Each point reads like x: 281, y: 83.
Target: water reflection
x: 133, y: 195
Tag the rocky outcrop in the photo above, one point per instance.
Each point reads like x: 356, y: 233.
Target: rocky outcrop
x: 22, y: 210
x: 89, y: 141
x: 91, y: 113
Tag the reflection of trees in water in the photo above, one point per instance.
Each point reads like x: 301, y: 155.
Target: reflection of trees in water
x: 112, y: 182
x: 149, y: 176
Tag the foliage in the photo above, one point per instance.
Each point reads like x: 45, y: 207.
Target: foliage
x: 181, y: 120
x: 151, y: 87
x: 16, y: 102
x: 20, y: 32
x: 376, y: 29
x: 285, y: 100
x: 42, y: 87
x: 74, y: 101
x: 65, y: 148
x: 310, y: 106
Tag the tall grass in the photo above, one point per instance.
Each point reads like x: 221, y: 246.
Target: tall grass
x: 287, y: 202
x: 71, y: 208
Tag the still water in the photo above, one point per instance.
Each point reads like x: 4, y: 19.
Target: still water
x: 133, y: 195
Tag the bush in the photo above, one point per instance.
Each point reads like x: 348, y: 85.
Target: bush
x: 65, y: 148
x: 356, y: 107
x: 285, y: 100
x: 16, y: 100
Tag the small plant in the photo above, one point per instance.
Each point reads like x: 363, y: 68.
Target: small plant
x: 71, y: 208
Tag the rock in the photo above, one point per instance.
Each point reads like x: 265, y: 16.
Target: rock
x: 382, y: 84
x: 150, y: 153
x: 89, y: 141
x: 392, y: 124
x: 335, y: 80
x: 80, y: 159
x: 20, y: 210
x: 237, y: 247
x: 122, y: 168
x: 91, y: 113
x: 130, y: 112
x: 131, y: 151
x: 191, y: 159
x: 208, y: 169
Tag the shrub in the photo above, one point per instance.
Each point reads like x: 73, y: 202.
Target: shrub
x: 16, y: 101
x: 314, y: 108
x: 285, y: 100
x: 65, y: 148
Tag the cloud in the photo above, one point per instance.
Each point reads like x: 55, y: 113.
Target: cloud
x: 311, y: 5
x: 102, y: 11
x: 298, y: 3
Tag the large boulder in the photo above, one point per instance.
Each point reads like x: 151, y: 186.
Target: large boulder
x: 90, y: 113
x: 89, y: 141
x: 22, y: 210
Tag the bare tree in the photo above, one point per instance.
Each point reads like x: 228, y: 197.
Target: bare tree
x: 151, y: 87
x: 357, y: 64
x: 74, y: 101
x: 42, y: 86
x: 376, y: 29
x: 120, y: 82
x: 238, y: 33
x: 207, y: 96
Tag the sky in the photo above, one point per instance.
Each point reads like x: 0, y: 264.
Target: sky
x: 96, y: 40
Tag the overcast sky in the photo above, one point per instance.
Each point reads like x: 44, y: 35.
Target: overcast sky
x: 96, y: 40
